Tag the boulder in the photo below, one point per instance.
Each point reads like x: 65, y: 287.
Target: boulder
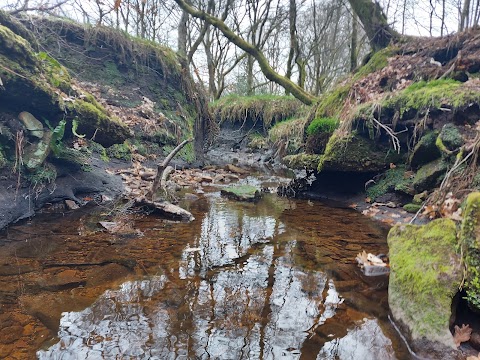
x: 425, y: 150
x: 426, y: 273
x: 355, y: 153
x: 428, y: 176
x: 302, y: 161
x: 449, y: 138
x: 470, y: 241
x: 242, y: 193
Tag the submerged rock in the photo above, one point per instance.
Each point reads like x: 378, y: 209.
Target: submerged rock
x: 426, y: 274
x: 242, y: 193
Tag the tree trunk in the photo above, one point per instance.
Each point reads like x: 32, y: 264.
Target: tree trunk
x: 353, y: 44
x: 252, y: 50
x: 464, y: 19
x: 374, y: 22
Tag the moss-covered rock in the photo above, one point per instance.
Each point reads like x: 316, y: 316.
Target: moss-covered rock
x: 242, y: 193
x: 470, y: 241
x: 355, y: 154
x: 425, y: 275
x: 425, y: 150
x: 302, y: 161
x: 429, y: 175
x: 393, y: 180
x: 412, y: 208
x: 93, y: 119
x: 449, y: 139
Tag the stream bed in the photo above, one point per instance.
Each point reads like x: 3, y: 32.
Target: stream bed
x: 271, y: 280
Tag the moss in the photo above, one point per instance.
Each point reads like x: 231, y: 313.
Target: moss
x: 56, y: 74
x: 425, y: 276
x: 412, y: 208
x: 120, y: 151
x: 113, y: 75
x: 428, y: 176
x: 268, y: 109
x: 355, y: 153
x: 322, y: 125
x: 242, y: 193
x: 93, y: 119
x: 434, y: 94
x: 331, y: 103
x: 469, y: 239
x: 393, y: 179
x: 425, y: 150
x: 449, y: 139
x: 378, y: 61
x: 302, y: 161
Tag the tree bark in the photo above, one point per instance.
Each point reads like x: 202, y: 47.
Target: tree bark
x: 374, y: 22
x: 267, y: 70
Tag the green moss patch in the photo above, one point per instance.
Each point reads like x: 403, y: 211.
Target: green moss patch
x: 393, y: 180
x: 322, y: 125
x: 242, y: 193
x: 425, y: 276
x: 469, y: 239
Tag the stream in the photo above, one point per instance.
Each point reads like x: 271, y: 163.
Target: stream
x: 271, y: 280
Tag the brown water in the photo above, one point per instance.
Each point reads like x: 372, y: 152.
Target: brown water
x: 273, y: 280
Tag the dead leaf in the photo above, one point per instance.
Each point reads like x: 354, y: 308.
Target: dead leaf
x: 462, y: 334
x: 362, y: 258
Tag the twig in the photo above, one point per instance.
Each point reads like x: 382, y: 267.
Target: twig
x: 162, y: 167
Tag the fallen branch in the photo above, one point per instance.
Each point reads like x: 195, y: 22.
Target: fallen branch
x: 161, y: 169
x: 166, y: 208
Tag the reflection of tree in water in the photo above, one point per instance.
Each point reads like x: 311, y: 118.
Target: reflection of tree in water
x: 230, y: 298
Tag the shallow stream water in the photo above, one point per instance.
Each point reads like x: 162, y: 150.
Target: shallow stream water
x: 272, y: 280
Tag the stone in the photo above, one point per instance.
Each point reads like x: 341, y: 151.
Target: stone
x: 242, y: 193
x: 72, y: 205
x: 36, y: 153
x: 302, y: 161
x: 428, y: 176
x: 426, y: 273
x: 449, y: 138
x: 411, y: 208
x: 236, y: 169
x: 34, y: 126
x: 470, y: 242
x: 425, y: 150
x: 355, y: 153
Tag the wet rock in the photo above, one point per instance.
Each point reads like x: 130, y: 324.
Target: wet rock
x: 34, y: 126
x: 236, y: 169
x: 425, y: 151
x: 470, y: 241
x: 11, y: 333
x: 429, y: 175
x: 242, y: 193
x: 426, y: 273
x: 106, y: 274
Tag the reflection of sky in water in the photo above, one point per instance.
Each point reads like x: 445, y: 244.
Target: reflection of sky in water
x: 260, y: 306
x: 364, y: 342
